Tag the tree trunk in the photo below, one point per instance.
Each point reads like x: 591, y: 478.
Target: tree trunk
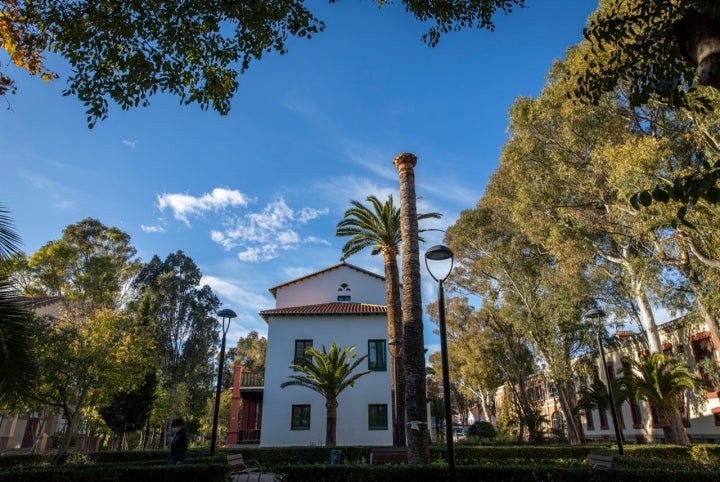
x: 395, y: 330
x: 331, y: 423
x: 418, y: 437
x: 710, y: 319
x: 646, y: 317
x: 677, y: 428
x: 485, y: 405
x: 574, y: 428
x: 70, y: 416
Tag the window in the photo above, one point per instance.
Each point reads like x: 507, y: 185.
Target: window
x: 558, y: 424
x: 635, y: 414
x: 377, y: 417
x: 377, y: 355
x: 300, y: 417
x: 300, y: 347
x: 703, y: 349
x: 603, y: 419
x: 589, y: 419
x: 343, y: 298
x: 655, y: 417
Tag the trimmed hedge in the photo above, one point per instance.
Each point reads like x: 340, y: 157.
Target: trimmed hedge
x: 214, y: 472
x: 506, y: 473
x: 641, y: 463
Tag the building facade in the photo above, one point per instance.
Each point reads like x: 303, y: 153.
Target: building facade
x: 639, y: 422
x: 31, y: 430
x: 342, y: 304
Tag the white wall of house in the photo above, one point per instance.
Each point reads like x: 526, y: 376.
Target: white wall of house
x: 352, y: 412
x: 324, y: 330
x: 327, y: 286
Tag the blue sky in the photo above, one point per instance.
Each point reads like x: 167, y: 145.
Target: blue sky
x: 254, y: 197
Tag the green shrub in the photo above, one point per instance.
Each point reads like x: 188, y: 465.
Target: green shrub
x: 499, y: 473
x: 215, y: 472
x: 482, y: 430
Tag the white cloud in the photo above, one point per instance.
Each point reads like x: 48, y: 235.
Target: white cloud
x: 130, y: 144
x: 263, y: 235
x: 184, y: 205
x: 152, y: 229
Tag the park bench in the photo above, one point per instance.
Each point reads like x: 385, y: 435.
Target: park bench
x: 239, y: 466
x: 384, y: 455
x: 600, y: 461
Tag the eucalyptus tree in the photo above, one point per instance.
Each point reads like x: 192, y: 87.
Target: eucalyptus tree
x: 83, y: 361
x: 90, y: 267
x: 377, y: 226
x: 539, y: 296
x: 182, y: 314
x: 573, y: 169
x: 91, y: 348
x: 329, y: 374
x: 474, y: 366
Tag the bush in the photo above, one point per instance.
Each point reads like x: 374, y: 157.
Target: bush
x: 482, y: 430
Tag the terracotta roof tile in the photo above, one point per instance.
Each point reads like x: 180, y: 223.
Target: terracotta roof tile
x: 326, y: 309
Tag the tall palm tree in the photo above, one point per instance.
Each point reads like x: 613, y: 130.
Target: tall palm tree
x: 661, y: 381
x: 17, y: 365
x: 378, y: 227
x: 329, y: 374
x: 418, y: 437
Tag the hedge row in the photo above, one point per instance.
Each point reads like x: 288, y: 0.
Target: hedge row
x: 214, y: 472
x: 508, y: 473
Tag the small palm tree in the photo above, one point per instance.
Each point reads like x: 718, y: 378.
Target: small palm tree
x: 661, y: 381
x: 378, y: 227
x: 17, y: 365
x: 328, y: 374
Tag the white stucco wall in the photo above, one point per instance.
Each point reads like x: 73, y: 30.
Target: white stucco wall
x: 364, y: 288
x: 352, y: 422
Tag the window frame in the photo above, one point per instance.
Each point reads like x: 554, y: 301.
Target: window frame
x: 298, y: 360
x: 298, y: 416
x: 377, y: 416
x: 377, y: 365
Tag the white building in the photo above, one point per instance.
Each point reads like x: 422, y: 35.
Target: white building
x: 341, y: 304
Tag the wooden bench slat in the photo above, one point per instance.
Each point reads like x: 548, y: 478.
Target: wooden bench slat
x: 388, y: 454
x: 600, y: 460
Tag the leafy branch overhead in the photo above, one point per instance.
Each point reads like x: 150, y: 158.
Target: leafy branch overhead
x: 127, y: 51
x: 662, y: 49
x: 701, y: 185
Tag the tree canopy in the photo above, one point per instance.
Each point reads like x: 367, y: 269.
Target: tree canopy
x: 126, y: 52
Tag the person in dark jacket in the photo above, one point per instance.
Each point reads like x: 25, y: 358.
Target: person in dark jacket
x: 179, y: 443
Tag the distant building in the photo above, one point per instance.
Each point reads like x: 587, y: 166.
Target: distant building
x: 31, y: 431
x: 639, y: 422
x: 342, y: 304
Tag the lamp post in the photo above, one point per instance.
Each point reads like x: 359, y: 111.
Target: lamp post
x: 598, y: 314
x: 226, y: 315
x: 395, y: 346
x: 443, y: 253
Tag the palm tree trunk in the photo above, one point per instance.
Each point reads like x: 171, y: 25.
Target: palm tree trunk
x: 677, y: 428
x: 418, y: 437
x: 331, y: 423
x: 395, y: 330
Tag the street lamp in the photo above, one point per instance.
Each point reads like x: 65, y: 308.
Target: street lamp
x: 226, y: 315
x: 597, y: 314
x: 395, y: 346
x: 440, y: 255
